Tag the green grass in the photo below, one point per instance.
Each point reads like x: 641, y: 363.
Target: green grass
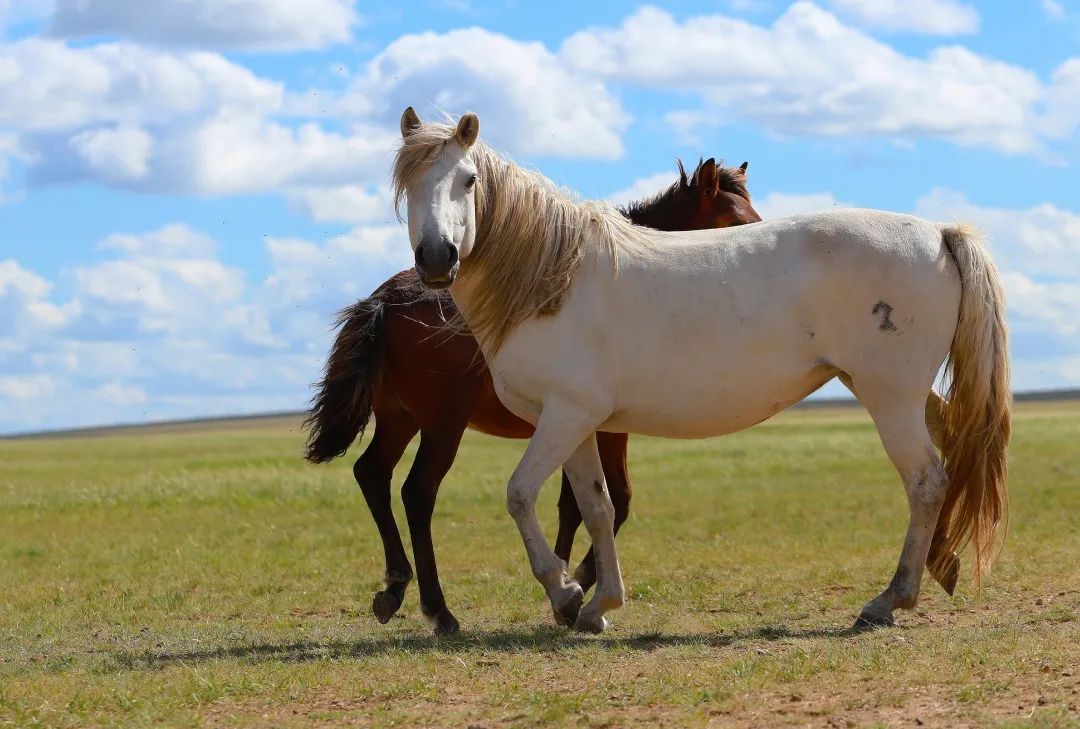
x: 211, y: 577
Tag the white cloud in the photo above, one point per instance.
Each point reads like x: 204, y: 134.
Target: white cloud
x: 277, y: 25
x: 1063, y: 100
x: 809, y: 74
x: 643, y: 187
x: 163, y: 328
x: 9, y: 152
x: 344, y: 204
x: 1053, y: 9
x: 1037, y: 250
x: 185, y: 122
x: 25, y: 387
x: 1045, y: 373
x: 528, y: 100
x: 242, y: 153
x: 120, y: 153
x: 1043, y: 240
x: 119, y: 393
x: 166, y: 284
x: 1048, y: 306
x: 783, y: 205
x: 323, y: 278
x: 25, y: 309
x: 175, y: 240
x: 155, y: 293
x: 935, y: 17
x: 46, y: 86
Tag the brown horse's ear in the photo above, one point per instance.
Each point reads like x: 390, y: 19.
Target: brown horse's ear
x: 468, y: 129
x: 707, y: 179
x: 410, y: 120
x: 743, y: 166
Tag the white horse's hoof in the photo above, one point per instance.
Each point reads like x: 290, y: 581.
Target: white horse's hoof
x: 569, y: 604
x: 590, y: 623
x: 869, y: 621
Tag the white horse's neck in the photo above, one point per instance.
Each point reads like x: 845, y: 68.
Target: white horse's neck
x: 461, y: 292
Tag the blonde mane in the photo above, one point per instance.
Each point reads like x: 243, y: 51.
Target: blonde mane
x: 531, y: 237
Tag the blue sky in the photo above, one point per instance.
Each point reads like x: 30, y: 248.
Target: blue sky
x: 187, y: 196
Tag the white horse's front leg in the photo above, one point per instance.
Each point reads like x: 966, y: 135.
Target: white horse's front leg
x: 587, y: 477
x: 559, y: 432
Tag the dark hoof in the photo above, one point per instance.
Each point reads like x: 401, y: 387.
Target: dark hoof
x: 866, y: 621
x: 444, y: 624
x: 384, y: 605
x: 567, y: 613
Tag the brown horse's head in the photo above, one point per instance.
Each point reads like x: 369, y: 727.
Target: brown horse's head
x: 722, y: 197
x: 712, y: 196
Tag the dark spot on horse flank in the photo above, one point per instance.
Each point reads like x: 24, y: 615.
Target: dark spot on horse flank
x: 599, y: 486
x: 884, y: 311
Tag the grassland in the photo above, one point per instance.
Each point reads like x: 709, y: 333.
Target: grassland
x: 209, y: 577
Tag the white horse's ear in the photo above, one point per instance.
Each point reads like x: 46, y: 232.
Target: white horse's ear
x: 468, y: 129
x: 410, y: 120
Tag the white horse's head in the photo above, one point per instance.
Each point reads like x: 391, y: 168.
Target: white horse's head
x: 439, y: 184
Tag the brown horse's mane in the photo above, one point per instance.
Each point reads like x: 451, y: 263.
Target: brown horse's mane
x: 733, y: 180
x: 663, y: 210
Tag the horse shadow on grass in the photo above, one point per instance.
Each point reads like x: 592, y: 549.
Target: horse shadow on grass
x: 542, y: 639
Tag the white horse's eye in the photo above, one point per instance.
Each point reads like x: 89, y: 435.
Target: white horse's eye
x: 470, y: 182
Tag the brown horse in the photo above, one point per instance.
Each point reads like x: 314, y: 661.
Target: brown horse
x: 393, y: 355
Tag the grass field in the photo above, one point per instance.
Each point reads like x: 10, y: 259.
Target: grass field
x: 210, y: 577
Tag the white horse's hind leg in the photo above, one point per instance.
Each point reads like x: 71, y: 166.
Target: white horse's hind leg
x: 559, y: 432
x: 590, y: 489
x: 934, y: 416
x: 902, y: 427
x: 934, y: 411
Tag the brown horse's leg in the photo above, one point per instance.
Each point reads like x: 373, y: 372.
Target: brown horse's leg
x: 374, y: 471
x: 438, y: 446
x: 612, y: 448
x: 569, y: 520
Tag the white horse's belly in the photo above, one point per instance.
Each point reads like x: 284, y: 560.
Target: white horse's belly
x: 718, y: 410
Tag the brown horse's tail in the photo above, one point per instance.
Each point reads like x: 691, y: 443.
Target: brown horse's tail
x: 342, y: 408
x: 977, y: 416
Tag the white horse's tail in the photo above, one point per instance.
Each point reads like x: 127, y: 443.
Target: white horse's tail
x: 977, y: 416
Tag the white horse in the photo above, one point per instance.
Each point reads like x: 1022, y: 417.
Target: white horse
x: 590, y: 323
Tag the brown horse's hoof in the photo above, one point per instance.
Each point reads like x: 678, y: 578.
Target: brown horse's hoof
x: 866, y: 621
x: 444, y: 624
x: 384, y: 605
x: 566, y: 614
